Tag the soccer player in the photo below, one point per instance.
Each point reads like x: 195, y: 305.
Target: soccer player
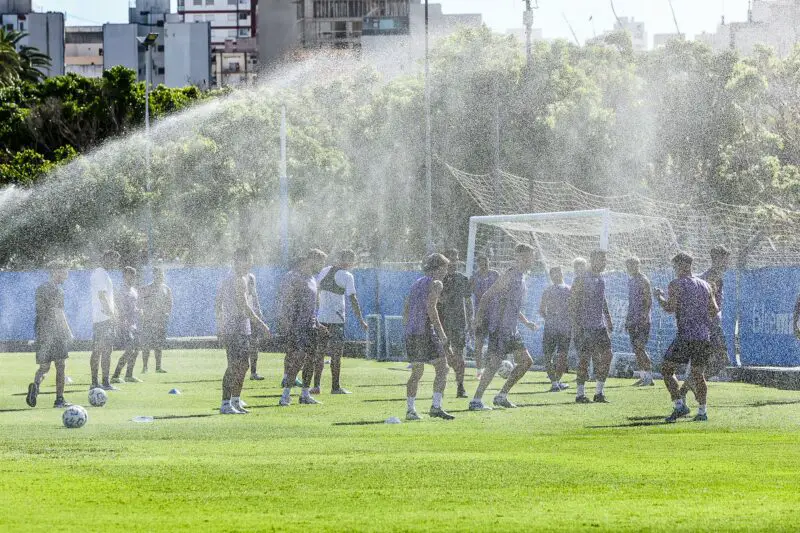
x: 104, y: 315
x: 156, y: 309
x: 53, y: 336
x: 691, y: 300
x: 298, y: 321
x: 503, y: 302
x: 426, y: 342
x: 720, y: 258
x: 637, y: 321
x: 128, y: 301
x: 579, y: 266
x: 255, y: 344
x: 796, y: 318
x: 589, y: 308
x: 335, y: 283
x: 481, y: 281
x: 235, y: 319
x: 554, y: 308
x: 456, y: 311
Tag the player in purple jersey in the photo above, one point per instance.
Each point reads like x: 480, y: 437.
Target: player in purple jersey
x: 554, y: 308
x: 299, y: 324
x: 637, y: 321
x: 456, y: 313
x: 481, y: 281
x: 579, y: 267
x: 128, y: 328
x: 720, y: 258
x: 235, y: 319
x: 425, y: 337
x: 502, y: 305
x: 691, y: 300
x: 590, y: 311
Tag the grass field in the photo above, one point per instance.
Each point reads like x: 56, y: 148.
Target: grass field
x: 549, y: 465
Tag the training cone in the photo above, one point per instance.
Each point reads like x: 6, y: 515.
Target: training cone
x: 393, y: 420
x: 174, y: 391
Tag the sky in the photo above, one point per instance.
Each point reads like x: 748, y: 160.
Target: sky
x: 694, y: 16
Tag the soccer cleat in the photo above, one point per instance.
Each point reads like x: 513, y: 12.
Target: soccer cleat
x: 599, y: 398
x: 160, y: 371
x: 61, y: 403
x: 116, y: 379
x: 285, y: 402
x: 108, y: 386
x: 503, y: 401
x: 555, y: 388
x: 94, y: 386
x: 412, y: 415
x: 132, y: 379
x: 229, y: 409
x: 638, y: 383
x: 239, y: 407
x: 438, y: 412
x: 255, y: 376
x: 582, y: 399
x: 563, y: 386
x: 33, y: 392
x: 677, y: 413
x: 700, y: 417
x: 314, y: 390
x: 478, y: 405
x: 340, y: 391
x: 309, y: 400
x: 461, y: 393
x: 648, y: 383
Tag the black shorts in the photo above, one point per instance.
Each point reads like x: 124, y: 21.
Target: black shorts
x: 127, y: 339
x: 52, y: 350
x: 595, y: 340
x: 456, y: 337
x: 302, y: 340
x: 503, y: 343
x: 555, y: 342
x: 103, y: 334
x: 335, y: 333
x: 237, y: 346
x: 423, y: 348
x: 682, y: 352
x: 482, y: 328
x: 154, y: 336
x: 718, y: 336
x: 639, y: 334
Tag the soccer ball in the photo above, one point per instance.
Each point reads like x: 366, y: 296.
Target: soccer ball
x: 97, y: 397
x: 75, y: 417
x: 506, y: 367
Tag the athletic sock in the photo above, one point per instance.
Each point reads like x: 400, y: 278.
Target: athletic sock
x: 581, y: 390
x: 235, y: 400
x: 437, y: 400
x: 305, y: 393
x: 648, y: 376
x: 226, y: 403
x: 555, y: 383
x: 287, y: 392
x: 702, y: 409
x: 679, y: 403
x: 599, y: 387
x: 411, y: 401
x: 502, y: 395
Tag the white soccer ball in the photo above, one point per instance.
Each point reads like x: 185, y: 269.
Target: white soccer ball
x: 506, y: 367
x: 75, y: 417
x: 97, y: 397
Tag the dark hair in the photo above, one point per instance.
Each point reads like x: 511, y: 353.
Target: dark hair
x: 451, y: 254
x: 434, y: 261
x: 347, y: 256
x: 720, y: 251
x: 111, y: 255
x: 316, y: 253
x: 129, y: 270
x: 597, y: 254
x: 241, y: 255
x: 522, y: 248
x: 633, y: 260
x: 556, y: 270
x: 482, y: 257
x: 682, y: 258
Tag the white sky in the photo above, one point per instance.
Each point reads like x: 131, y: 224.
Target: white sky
x: 694, y: 16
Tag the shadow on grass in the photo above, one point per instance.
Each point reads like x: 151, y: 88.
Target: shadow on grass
x: 74, y: 391
x: 381, y: 400
x: 360, y: 423
x: 379, y: 385
x: 14, y: 410
x: 181, y: 417
x: 195, y: 381
x: 767, y: 403
x: 637, y: 422
x: 399, y: 369
x: 264, y: 395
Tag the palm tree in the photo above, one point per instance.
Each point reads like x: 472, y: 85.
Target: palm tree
x: 32, y: 64
x: 24, y: 64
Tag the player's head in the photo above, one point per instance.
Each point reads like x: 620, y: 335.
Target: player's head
x: 129, y: 276
x: 110, y: 259
x: 579, y: 266
x: 720, y: 257
x: 682, y: 264
x: 435, y: 266
x: 556, y: 275
x: 242, y: 260
x: 525, y: 256
x: 347, y: 258
x: 598, y: 261
x: 315, y: 259
x: 483, y: 263
x: 452, y: 256
x: 633, y: 264
x: 58, y: 272
x: 158, y: 275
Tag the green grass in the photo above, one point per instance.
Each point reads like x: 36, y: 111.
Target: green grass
x: 549, y: 465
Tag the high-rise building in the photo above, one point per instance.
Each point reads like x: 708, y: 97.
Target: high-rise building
x: 234, y: 26
x: 636, y: 30
x: 45, y: 31
x: 83, y: 50
x: 186, y: 54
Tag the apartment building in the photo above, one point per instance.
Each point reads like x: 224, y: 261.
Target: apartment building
x: 83, y: 51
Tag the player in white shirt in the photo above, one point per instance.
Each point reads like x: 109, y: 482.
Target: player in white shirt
x: 104, y: 316
x: 335, y: 284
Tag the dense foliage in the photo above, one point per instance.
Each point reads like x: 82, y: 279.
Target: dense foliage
x: 679, y: 124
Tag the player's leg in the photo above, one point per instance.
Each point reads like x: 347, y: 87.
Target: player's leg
x: 105, y: 354
x: 480, y: 337
x: 228, y: 379
x: 561, y: 365
x: 440, y: 365
x: 318, y: 362
x: 38, y: 377
x: 146, y: 358
x: 97, y: 352
x: 584, y: 357
x: 252, y: 357
x: 455, y: 359
x: 523, y: 362
x: 132, y: 353
x: 60, y: 365
x: 336, y: 351
x: 241, y: 359
x: 674, y: 357
x: 417, y: 369
x: 639, y: 336
x: 158, y: 354
x: 549, y: 350
x: 602, y: 365
x: 493, y: 359
x: 701, y: 354
x: 293, y: 364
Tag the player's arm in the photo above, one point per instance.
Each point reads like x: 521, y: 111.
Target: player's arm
x: 670, y: 303
x: 357, y: 310
x: 647, y: 298
x: 218, y: 309
x: 713, y: 308
x: 245, y: 307
x: 105, y: 305
x: 575, y: 301
x: 543, y: 305
x: 254, y: 296
x: 469, y: 306
x: 528, y: 323
x: 607, y: 314
x: 168, y: 304
x: 433, y: 312
x: 405, y: 312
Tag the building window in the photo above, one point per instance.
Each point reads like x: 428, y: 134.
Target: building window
x: 160, y: 48
x: 244, y: 32
x: 209, y: 2
x: 231, y: 17
x: 231, y: 34
x: 243, y: 15
x: 197, y: 2
x: 160, y: 71
x: 181, y: 3
x: 231, y: 2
